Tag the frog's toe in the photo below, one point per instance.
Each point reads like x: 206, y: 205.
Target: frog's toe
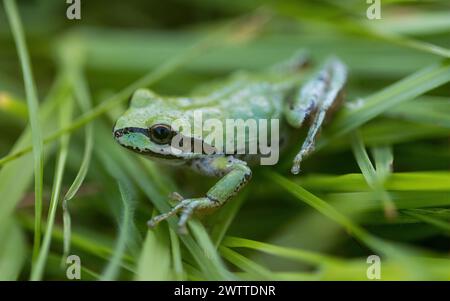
x: 188, y: 210
x: 153, y: 222
x: 175, y: 196
x: 159, y: 218
x: 187, y: 207
x: 296, y: 164
x: 295, y: 168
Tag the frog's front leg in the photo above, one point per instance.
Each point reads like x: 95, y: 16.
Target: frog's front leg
x: 235, y: 174
x: 315, y: 99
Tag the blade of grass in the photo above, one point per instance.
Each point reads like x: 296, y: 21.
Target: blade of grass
x: 295, y: 254
x: 408, y: 42
x: 334, y: 268
x: 127, y: 229
x: 65, y: 115
x: 430, y: 220
x: 208, y: 248
x: 104, y: 57
x: 11, y: 190
x: 13, y: 251
x: 193, y: 274
x: 179, y: 273
x: 378, y: 103
x: 418, y: 23
x: 33, y: 114
x: 368, y: 201
x: 427, y: 110
x: 325, y: 209
x: 365, y: 29
x: 292, y: 276
x: 374, y: 179
x: 154, y: 262
x: 380, y: 131
x: 128, y: 196
x: 84, y: 100
x: 400, y: 181
x: 224, y: 218
x: 255, y: 270
x: 81, y: 242
x: 388, y: 249
x: 384, y: 160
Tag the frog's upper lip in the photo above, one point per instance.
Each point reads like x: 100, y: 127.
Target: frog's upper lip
x: 123, y: 131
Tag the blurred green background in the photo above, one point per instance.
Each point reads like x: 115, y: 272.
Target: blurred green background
x: 379, y: 182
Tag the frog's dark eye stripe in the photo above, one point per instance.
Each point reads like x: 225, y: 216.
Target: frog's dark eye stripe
x: 161, y: 133
x: 119, y: 133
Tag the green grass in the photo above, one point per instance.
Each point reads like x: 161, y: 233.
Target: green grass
x: 378, y: 183
x: 84, y: 99
x: 65, y: 114
x: 33, y: 109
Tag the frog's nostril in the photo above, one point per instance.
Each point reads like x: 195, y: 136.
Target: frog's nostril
x: 118, y: 134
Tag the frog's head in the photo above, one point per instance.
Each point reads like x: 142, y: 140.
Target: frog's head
x: 146, y: 127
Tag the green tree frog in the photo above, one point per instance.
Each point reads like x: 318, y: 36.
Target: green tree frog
x: 288, y: 91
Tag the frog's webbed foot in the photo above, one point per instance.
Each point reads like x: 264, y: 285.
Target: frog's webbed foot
x: 186, y: 206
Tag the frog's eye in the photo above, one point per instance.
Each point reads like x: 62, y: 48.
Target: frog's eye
x: 161, y: 133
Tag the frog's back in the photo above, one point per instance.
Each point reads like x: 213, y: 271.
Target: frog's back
x: 242, y: 96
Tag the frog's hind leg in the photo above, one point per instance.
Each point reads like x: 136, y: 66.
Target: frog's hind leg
x: 315, y: 99
x: 234, y: 175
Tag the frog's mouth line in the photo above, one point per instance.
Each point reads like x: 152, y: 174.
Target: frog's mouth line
x: 124, y: 131
x: 145, y: 151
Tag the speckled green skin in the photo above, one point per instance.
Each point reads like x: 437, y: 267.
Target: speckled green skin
x: 241, y: 97
x: 288, y: 91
